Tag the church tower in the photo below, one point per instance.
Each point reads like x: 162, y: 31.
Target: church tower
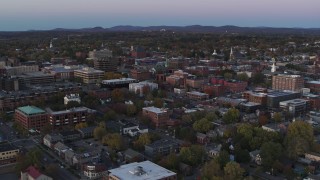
x: 231, y: 54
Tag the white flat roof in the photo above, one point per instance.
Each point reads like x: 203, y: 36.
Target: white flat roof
x: 155, y: 109
x: 151, y: 171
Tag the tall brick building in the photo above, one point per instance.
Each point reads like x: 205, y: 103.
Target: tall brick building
x: 287, y: 82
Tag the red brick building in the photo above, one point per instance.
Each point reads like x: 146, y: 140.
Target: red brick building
x: 235, y: 86
x: 140, y: 74
x: 31, y: 117
x: 260, y: 98
x: 70, y: 117
x: 158, y: 116
x: 314, y: 86
x: 138, y: 52
x: 214, y: 90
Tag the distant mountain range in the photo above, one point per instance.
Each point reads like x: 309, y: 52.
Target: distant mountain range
x: 200, y: 29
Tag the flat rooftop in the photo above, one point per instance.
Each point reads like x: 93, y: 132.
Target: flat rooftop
x: 122, y: 80
x: 31, y: 110
x: 155, y: 109
x: 197, y: 93
x: 7, y: 147
x: 145, y: 170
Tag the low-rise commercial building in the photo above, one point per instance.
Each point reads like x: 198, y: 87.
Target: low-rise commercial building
x: 158, y: 116
x: 8, y: 153
x: 295, y: 107
x: 141, y: 171
x: 89, y: 75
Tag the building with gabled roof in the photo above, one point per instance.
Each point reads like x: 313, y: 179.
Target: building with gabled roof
x: 32, y: 173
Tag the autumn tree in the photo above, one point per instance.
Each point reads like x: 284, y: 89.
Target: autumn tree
x: 212, y: 170
x: 277, y: 117
x: 100, y: 131
x: 114, y: 141
x: 143, y: 140
x: 81, y: 125
x: 117, y: 95
x: 263, y: 120
x: 158, y: 102
x: 131, y: 109
x: 233, y: 171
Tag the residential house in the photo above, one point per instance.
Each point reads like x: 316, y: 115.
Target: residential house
x: 31, y: 173
x: 86, y: 132
x: 93, y: 170
x: 50, y: 140
x: 60, y: 148
x: 70, y: 135
x: 162, y: 147
x: 202, y: 138
x: 132, y: 156
x: 255, y: 157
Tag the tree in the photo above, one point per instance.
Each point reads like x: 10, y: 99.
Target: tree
x: 263, y: 120
x: 109, y: 115
x: 187, y: 118
x: 242, y: 77
x: 299, y: 138
x: 186, y: 134
x: 223, y: 158
x: 158, y: 102
x: 258, y: 78
x: 270, y: 153
x: 143, y: 140
x: 114, y: 141
x: 242, y: 156
x: 100, y: 131
x: 131, y: 109
x: 117, y: 95
x: 231, y: 116
x: 211, y: 170
x: 81, y: 125
x: 233, y: 171
x: 277, y: 117
x: 32, y: 157
x: 227, y: 76
x: 211, y: 116
x: 192, y: 155
x: 202, y: 125
x: 246, y: 130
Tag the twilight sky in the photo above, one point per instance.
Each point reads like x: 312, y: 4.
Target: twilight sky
x: 49, y: 14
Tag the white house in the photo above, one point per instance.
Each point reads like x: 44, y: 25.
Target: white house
x: 72, y: 97
x: 139, y: 87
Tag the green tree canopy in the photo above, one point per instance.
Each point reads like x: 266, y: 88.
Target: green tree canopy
x: 231, y: 116
x: 299, y: 138
x: 242, y: 77
x: 202, y: 125
x: 270, y: 153
x: 233, y: 171
x: 192, y: 155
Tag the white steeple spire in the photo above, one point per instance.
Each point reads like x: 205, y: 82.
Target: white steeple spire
x: 273, y: 69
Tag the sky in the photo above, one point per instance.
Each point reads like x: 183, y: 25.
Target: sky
x: 20, y: 15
